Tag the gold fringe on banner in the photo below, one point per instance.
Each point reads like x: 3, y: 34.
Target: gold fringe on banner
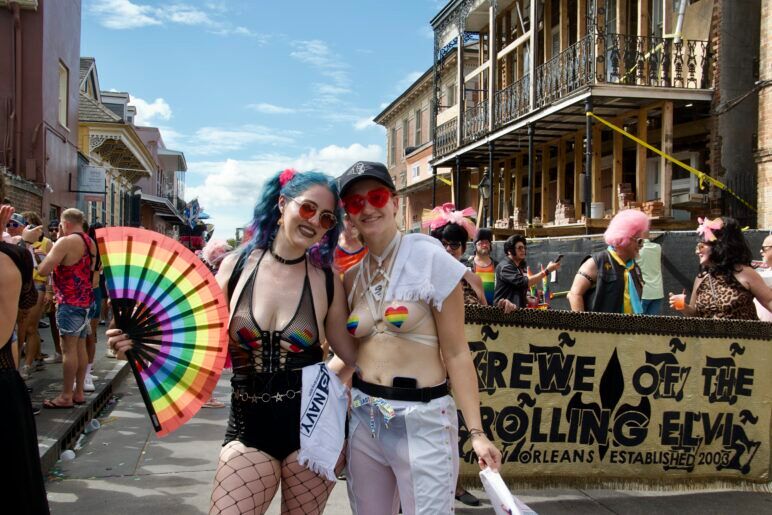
x: 606, y: 483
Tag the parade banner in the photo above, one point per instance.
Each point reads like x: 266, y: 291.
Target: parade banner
x: 617, y: 400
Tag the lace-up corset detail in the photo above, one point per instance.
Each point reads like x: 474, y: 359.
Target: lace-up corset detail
x: 256, y: 350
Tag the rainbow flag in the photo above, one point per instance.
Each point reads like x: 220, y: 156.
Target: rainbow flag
x: 545, y: 287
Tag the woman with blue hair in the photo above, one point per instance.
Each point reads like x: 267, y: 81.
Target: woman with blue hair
x: 284, y: 301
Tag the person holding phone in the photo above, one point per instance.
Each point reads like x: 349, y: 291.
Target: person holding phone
x: 512, y: 279
x: 407, y: 312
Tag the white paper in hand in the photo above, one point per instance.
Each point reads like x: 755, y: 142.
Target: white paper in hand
x: 502, y: 500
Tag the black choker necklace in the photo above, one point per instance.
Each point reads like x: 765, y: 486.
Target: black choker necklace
x: 284, y: 261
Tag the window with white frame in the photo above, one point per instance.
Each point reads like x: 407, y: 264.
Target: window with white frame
x: 64, y: 78
x: 416, y: 171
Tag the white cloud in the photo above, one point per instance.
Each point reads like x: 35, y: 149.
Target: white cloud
x: 319, y: 55
x: 149, y: 112
x: 270, y: 108
x: 127, y: 14
x: 230, y: 187
x: 218, y: 140
x: 364, y: 123
x: 123, y: 14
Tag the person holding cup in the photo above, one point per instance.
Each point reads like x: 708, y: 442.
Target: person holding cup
x: 726, y: 285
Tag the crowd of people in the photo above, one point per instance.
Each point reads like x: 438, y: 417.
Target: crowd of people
x: 325, y: 265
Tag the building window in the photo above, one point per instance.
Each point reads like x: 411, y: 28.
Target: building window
x: 418, y: 128
x: 450, y: 95
x: 393, y: 147
x: 64, y: 81
x: 405, y: 139
x: 416, y: 171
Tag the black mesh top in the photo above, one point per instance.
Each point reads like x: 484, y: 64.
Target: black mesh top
x: 256, y: 350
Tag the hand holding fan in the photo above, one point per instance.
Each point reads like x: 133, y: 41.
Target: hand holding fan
x: 167, y: 301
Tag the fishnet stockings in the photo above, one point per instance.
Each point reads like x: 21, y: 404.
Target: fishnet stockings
x: 246, y: 481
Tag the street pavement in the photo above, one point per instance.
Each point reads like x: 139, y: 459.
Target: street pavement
x: 123, y: 468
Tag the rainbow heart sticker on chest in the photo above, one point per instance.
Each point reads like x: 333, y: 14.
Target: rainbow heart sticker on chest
x: 396, y: 316
x: 352, y: 323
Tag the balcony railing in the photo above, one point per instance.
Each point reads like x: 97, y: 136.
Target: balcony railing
x: 650, y: 61
x: 596, y: 59
x: 568, y: 71
x: 445, y: 137
x: 513, y: 102
x: 475, y: 121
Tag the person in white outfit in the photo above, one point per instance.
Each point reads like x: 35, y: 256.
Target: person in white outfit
x: 407, y: 312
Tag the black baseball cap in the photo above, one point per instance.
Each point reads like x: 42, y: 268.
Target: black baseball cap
x: 484, y: 234
x: 364, y: 170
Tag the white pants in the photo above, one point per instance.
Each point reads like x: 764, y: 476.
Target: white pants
x: 413, y: 461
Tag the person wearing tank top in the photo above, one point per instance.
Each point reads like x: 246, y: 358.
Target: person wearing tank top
x: 284, y: 302
x: 71, y: 260
x: 407, y: 314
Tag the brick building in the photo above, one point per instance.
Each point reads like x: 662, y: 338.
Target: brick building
x: 39, y: 59
x: 410, y: 149
x: 667, y: 71
x: 764, y: 153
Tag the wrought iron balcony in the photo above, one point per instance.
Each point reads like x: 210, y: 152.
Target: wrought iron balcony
x: 568, y: 71
x: 475, y: 121
x: 445, y: 137
x: 513, y: 102
x: 596, y: 59
x: 649, y: 61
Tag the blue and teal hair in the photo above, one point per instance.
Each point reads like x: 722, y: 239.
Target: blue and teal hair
x: 265, y: 218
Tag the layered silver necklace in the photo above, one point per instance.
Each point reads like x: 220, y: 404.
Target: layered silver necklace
x: 376, y: 282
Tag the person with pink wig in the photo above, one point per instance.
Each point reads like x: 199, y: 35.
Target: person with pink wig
x: 610, y: 281
x: 212, y: 255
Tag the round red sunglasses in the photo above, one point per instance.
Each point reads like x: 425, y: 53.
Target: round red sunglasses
x: 307, y: 210
x: 355, y: 203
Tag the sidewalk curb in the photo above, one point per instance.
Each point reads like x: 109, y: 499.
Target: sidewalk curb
x: 69, y: 428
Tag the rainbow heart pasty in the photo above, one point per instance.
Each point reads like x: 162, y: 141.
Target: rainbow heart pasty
x: 396, y: 316
x: 352, y: 323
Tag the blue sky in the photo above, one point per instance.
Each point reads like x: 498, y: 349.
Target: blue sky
x: 248, y: 87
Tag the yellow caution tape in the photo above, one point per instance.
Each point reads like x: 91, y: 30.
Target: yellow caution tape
x: 443, y: 179
x: 703, y: 177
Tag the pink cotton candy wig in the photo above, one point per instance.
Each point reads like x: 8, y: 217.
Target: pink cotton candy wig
x: 214, y: 251
x: 625, y: 226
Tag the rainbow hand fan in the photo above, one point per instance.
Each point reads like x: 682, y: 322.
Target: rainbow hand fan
x: 168, y: 302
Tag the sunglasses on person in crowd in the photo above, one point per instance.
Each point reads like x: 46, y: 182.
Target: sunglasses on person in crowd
x: 307, y: 210
x: 453, y: 245
x: 355, y: 203
x: 12, y: 225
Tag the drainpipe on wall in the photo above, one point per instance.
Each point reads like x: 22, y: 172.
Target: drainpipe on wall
x: 18, y: 95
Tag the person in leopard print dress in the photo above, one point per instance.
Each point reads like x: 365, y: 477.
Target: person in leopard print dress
x: 726, y: 284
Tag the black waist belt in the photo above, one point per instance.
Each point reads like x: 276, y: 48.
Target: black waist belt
x: 401, y: 394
